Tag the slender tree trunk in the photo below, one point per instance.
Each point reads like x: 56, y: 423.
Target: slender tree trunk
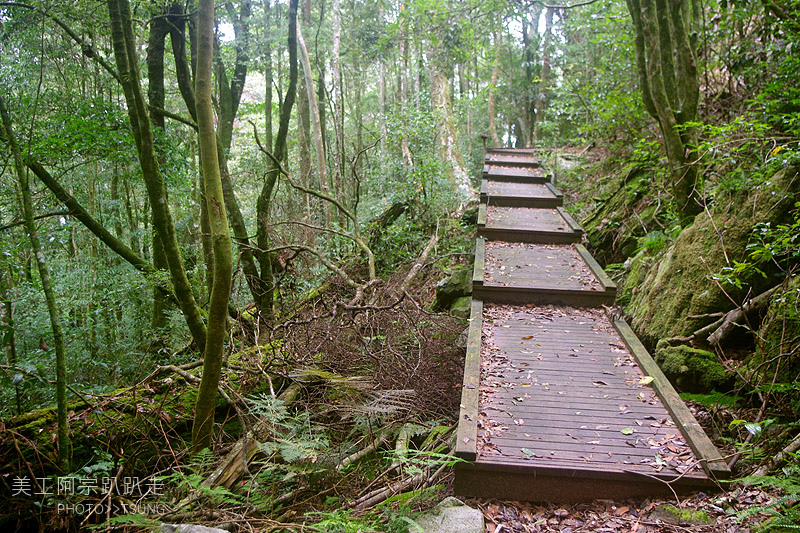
x: 544, y: 78
x: 667, y: 69
x: 268, y: 74
x: 49, y: 294
x: 156, y: 95
x: 7, y: 321
x: 125, y: 51
x: 405, y: 151
x: 338, y: 114
x: 202, y: 429
x: 266, y: 299
x: 448, y: 141
x: 315, y: 120
x: 498, y: 45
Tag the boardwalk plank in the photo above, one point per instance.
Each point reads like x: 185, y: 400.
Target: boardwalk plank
x: 554, y: 404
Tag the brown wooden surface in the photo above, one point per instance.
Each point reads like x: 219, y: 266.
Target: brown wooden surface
x: 518, y: 194
x: 468, y: 420
x: 559, y: 388
x: 536, y: 175
x: 512, y: 159
x: 521, y: 218
x: 554, y: 405
x: 710, y: 458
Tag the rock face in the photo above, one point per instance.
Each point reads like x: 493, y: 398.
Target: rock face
x: 679, y: 284
x: 456, y: 285
x: 452, y: 516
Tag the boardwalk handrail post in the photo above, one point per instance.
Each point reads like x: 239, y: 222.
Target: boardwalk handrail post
x: 484, y: 137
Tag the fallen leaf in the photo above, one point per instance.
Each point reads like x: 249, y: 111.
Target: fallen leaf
x: 626, y: 431
x: 647, y: 380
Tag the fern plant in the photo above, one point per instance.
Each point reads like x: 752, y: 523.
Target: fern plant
x: 785, y: 511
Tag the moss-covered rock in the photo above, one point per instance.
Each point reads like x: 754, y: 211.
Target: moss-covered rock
x: 685, y: 517
x: 680, y: 284
x: 693, y: 370
x: 611, y: 229
x: 461, y: 307
x: 780, y: 333
x: 456, y: 285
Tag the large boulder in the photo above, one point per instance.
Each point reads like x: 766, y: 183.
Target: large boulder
x: 454, y: 286
x: 680, y: 283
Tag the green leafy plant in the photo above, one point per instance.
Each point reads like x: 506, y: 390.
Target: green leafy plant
x: 784, y: 511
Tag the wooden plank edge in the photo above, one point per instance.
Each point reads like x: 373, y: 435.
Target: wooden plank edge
x: 607, y: 283
x: 484, y: 188
x: 467, y: 432
x: 705, y: 451
x: 571, y: 221
x: 528, y: 236
x: 523, y: 295
x: 581, y: 471
x: 480, y: 261
x: 482, y: 215
x: 553, y: 189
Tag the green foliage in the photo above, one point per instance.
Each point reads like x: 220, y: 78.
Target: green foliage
x: 784, y: 510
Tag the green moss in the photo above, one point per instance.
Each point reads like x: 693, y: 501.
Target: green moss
x: 780, y: 333
x: 693, y: 517
x: 692, y: 370
x: 680, y: 284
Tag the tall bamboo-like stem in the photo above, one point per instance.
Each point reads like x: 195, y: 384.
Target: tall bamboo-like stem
x: 125, y: 52
x: 47, y: 287
x: 203, y: 426
x: 319, y: 145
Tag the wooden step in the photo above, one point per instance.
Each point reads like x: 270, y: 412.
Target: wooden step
x: 521, y: 273
x: 519, y: 174
x: 512, y: 159
x: 515, y: 194
x: 555, y: 407
x: 526, y: 224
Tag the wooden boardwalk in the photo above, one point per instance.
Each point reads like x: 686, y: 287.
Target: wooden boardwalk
x: 561, y: 402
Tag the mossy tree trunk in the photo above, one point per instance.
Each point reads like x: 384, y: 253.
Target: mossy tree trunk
x: 203, y: 426
x: 667, y: 67
x: 47, y: 286
x: 125, y: 52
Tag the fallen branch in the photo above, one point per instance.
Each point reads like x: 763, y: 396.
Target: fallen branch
x: 379, y: 495
x: 776, y: 460
x: 420, y: 261
x: 735, y: 317
x: 381, y: 439
x: 234, y: 465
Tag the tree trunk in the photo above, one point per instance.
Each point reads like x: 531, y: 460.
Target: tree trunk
x: 338, y: 114
x: 49, y: 295
x: 498, y: 44
x: 266, y: 298
x: 203, y: 426
x: 230, y: 93
x: 267, y: 74
x: 544, y: 77
x: 315, y: 120
x: 667, y: 68
x: 125, y: 51
x: 448, y: 141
